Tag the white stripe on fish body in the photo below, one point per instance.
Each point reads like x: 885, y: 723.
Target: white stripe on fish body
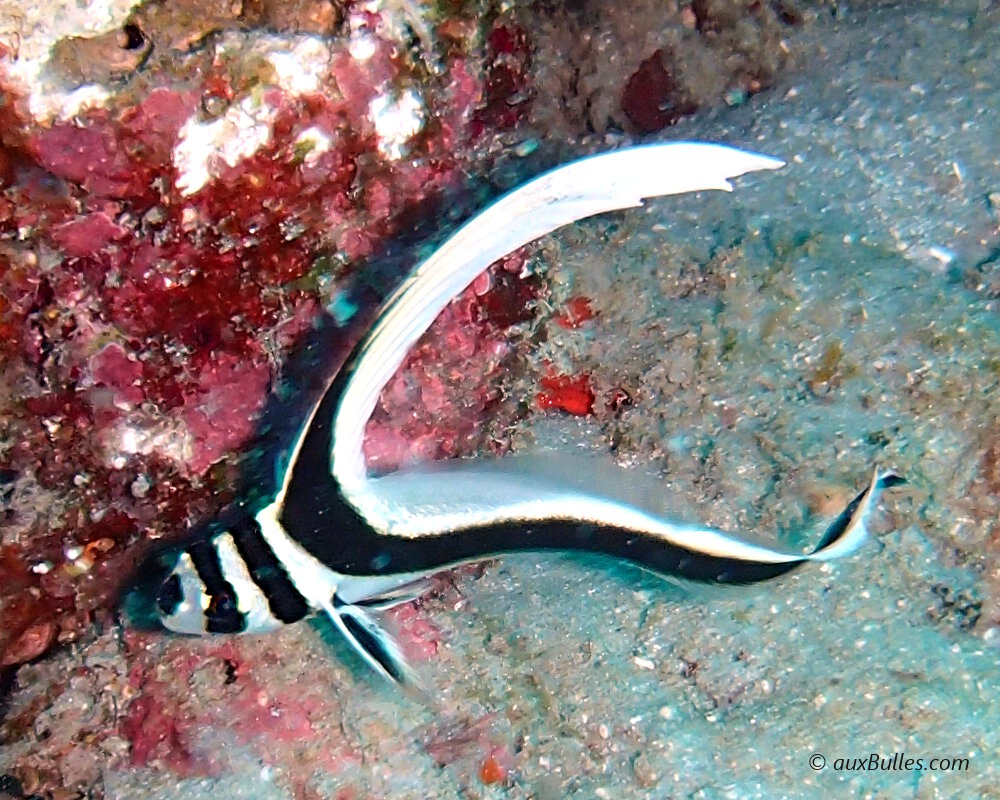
x: 470, y: 494
x: 251, y: 601
x: 337, y: 596
x: 316, y: 582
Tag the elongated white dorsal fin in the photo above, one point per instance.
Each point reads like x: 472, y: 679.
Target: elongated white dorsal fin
x: 605, y: 182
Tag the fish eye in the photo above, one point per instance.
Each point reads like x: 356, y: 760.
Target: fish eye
x: 170, y: 595
x: 147, y: 595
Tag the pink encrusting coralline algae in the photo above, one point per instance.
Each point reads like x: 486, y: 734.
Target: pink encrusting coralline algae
x: 146, y: 295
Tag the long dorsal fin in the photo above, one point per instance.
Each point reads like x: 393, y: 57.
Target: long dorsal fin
x: 597, y: 184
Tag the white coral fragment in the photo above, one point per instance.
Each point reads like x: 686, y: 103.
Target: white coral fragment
x: 397, y: 119
x: 238, y: 134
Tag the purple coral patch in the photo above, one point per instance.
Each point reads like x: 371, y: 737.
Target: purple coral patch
x: 653, y: 98
x: 88, y: 234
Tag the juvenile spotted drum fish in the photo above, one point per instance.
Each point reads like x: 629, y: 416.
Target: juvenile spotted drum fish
x: 338, y: 540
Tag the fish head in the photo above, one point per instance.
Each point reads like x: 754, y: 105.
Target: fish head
x: 185, y: 604
x: 168, y: 590
x: 228, y: 580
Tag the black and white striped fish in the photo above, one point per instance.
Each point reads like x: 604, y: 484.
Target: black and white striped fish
x: 336, y: 540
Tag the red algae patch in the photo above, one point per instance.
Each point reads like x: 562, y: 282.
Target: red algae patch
x: 653, y: 98
x: 120, y: 371
x: 139, y: 704
x: 26, y: 642
x: 144, y: 307
x: 496, y: 766
x: 87, y: 235
x: 568, y: 393
x: 419, y: 637
x: 508, y: 90
x: 575, y: 313
x: 223, y: 406
x: 239, y: 689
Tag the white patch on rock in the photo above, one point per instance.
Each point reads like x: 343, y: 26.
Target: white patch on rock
x: 63, y: 105
x: 301, y: 69
x: 173, y: 442
x: 397, y: 119
x: 362, y: 44
x: 30, y: 29
x: 300, y: 65
x: 398, y: 20
x: 316, y: 140
x: 236, y: 135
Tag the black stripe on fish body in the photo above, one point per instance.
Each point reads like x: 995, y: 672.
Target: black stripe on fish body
x: 652, y: 552
x: 315, y: 512
x: 323, y: 523
x: 375, y: 554
x: 305, y: 376
x: 222, y: 614
x: 267, y: 572
x: 170, y: 595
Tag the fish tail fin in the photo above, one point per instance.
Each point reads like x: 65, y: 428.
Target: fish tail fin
x: 846, y: 533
